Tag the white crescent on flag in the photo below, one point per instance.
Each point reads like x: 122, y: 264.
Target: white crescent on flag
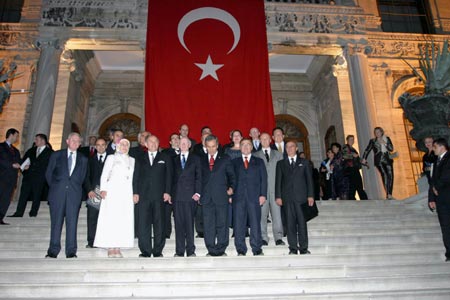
x: 209, y: 13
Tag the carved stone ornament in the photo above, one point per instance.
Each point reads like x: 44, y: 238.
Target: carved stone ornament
x: 130, y: 14
x: 17, y: 36
x: 290, y: 130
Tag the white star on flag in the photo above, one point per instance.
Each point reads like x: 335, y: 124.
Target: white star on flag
x: 209, y: 69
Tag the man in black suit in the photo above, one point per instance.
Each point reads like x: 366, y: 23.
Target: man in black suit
x: 35, y: 163
x: 172, y: 152
x: 218, y: 182
x: 9, y: 167
x: 117, y: 135
x: 184, y: 132
x: 95, y: 169
x: 187, y: 184
x: 254, y: 134
x: 152, y: 184
x: 440, y: 190
x: 293, y: 187
x: 250, y: 194
x: 89, y: 151
x: 65, y: 176
x: 278, y: 141
x: 140, y: 149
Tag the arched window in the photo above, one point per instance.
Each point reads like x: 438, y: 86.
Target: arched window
x: 294, y: 130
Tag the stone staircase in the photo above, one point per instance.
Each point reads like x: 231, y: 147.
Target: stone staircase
x: 360, y: 250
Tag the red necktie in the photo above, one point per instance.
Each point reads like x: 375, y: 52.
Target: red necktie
x: 211, y: 163
x: 245, y: 162
x: 92, y: 152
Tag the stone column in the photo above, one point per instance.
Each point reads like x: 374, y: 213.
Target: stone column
x: 364, y: 111
x: 44, y: 92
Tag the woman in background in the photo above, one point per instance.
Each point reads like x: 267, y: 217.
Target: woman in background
x: 381, y: 146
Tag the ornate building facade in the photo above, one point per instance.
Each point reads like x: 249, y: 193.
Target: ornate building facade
x: 353, y: 53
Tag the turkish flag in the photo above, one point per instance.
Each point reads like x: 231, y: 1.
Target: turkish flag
x: 207, y: 64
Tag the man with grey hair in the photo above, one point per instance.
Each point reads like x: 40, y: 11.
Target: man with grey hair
x: 66, y: 173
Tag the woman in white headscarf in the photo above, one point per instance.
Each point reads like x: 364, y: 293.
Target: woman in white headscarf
x: 382, y: 146
x: 115, y: 227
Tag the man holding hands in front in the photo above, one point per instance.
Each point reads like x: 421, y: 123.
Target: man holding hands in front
x: 294, y: 187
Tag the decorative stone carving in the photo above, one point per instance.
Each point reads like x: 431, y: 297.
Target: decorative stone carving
x: 290, y: 130
x: 17, y: 36
x: 94, y: 13
x: 6, y: 74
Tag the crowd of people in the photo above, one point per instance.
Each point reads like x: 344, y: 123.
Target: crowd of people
x: 207, y: 187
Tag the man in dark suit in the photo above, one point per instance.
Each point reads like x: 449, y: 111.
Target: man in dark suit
x: 89, y: 151
x: 152, y: 184
x: 117, y: 135
x: 184, y: 132
x: 218, y: 182
x: 278, y: 141
x: 293, y: 187
x: 440, y: 190
x: 138, y: 152
x: 254, y: 134
x: 140, y: 149
x: 187, y: 184
x: 65, y: 176
x: 249, y: 195
x: 35, y: 163
x: 172, y: 152
x: 95, y: 169
x: 9, y: 167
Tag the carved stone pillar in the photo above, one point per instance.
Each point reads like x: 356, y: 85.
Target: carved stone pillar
x: 364, y: 111
x: 44, y: 92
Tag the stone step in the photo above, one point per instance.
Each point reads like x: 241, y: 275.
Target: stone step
x: 214, y: 274
x: 219, y: 288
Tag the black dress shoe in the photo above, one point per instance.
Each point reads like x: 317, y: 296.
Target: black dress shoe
x: 158, y: 255
x: 192, y: 255
x: 305, y: 251
x: 258, y: 253
x: 241, y: 254
x: 72, y: 256
x: 292, y: 252
x: 280, y: 243
x: 265, y: 243
x: 14, y: 216
x: 178, y: 255
x: 447, y: 259
x: 144, y: 255
x: 3, y: 223
x: 50, y: 256
x: 32, y: 215
x: 222, y: 254
x: 89, y: 246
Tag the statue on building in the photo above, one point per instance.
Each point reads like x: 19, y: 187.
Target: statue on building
x: 6, y: 74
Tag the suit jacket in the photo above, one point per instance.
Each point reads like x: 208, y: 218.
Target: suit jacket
x: 86, y: 151
x: 61, y: 183
x: 137, y: 151
x: 95, y: 170
x: 8, y: 174
x: 251, y: 183
x: 441, y: 179
x: 38, y: 165
x: 170, y: 152
x: 150, y: 182
x: 274, y: 147
x: 271, y: 168
x: 198, y: 150
x: 188, y: 181
x: 255, y: 149
x: 109, y: 149
x: 378, y: 156
x: 294, y: 184
x: 215, y: 183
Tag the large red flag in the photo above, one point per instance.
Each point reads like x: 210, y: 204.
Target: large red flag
x: 207, y: 64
